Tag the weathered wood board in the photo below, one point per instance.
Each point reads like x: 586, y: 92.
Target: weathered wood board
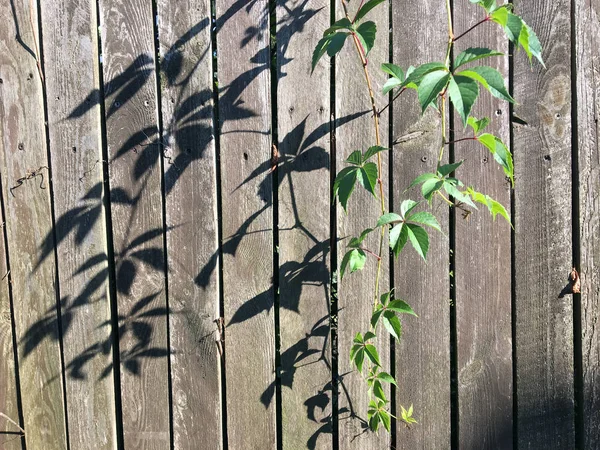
x: 243, y: 65
x: 28, y: 222
x: 423, y: 355
x: 587, y: 26
x: 134, y: 149
x: 543, y: 235
x: 303, y: 111
x: 191, y: 214
x: 483, y: 262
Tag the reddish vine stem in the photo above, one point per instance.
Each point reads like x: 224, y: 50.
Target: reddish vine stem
x: 487, y: 18
x: 460, y: 140
x: 363, y: 61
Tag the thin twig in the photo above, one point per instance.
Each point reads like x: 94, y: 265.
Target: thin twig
x: 472, y: 28
x: 14, y: 423
x: 35, y: 42
x: 28, y: 176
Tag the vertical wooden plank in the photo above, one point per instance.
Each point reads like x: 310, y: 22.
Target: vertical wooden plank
x: 28, y: 225
x: 587, y: 23
x: 482, y: 263
x: 304, y: 210
x: 356, y: 291
x: 134, y: 151
x: 423, y: 355
x: 191, y: 207
x: 246, y: 187
x: 9, y: 433
x: 71, y: 64
x: 543, y: 253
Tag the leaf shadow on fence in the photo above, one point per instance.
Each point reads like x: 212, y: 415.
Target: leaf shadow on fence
x: 141, y: 256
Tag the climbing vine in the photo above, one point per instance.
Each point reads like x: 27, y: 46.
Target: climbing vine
x: 459, y: 82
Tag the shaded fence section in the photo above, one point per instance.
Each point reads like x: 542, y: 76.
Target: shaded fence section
x: 168, y: 247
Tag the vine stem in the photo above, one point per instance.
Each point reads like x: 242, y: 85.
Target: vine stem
x: 363, y: 61
x: 447, y: 63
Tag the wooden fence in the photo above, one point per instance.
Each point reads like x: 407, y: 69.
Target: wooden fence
x: 164, y: 288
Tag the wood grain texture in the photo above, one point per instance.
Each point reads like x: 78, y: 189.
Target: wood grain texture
x: 304, y: 228
x: 543, y: 253
x: 482, y: 262
x: 9, y: 433
x: 587, y: 26
x: 130, y: 105
x: 355, y: 130
x: 247, y: 217
x: 28, y: 223
x: 70, y: 58
x: 423, y: 355
x: 191, y: 207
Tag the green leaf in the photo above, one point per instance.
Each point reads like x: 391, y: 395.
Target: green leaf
x: 369, y: 335
x: 388, y: 218
x: 392, y: 324
x: 478, y: 125
x: 458, y: 195
x: 367, y: 177
x: 430, y: 187
x: 386, y: 420
x: 390, y: 84
x: 359, y: 338
x: 425, y: 218
x: 376, y: 316
x: 344, y: 185
x: 421, y: 179
x: 386, y: 377
x: 447, y: 169
x: 342, y: 24
x: 393, y: 70
x: 362, y: 12
x: 336, y: 43
x: 374, y: 422
x: 354, y: 259
x: 372, y: 354
x: 488, y: 5
x: 400, y: 306
x: 378, y: 391
x: 419, y: 239
x: 494, y: 206
x: 355, y: 158
x: 407, y: 206
x: 359, y: 358
x: 521, y: 34
x: 355, y: 348
x: 385, y: 298
x: 431, y: 86
x: 419, y: 72
x: 366, y: 32
x: 500, y: 16
x: 356, y: 241
x: 463, y: 92
x: 372, y: 151
x: 490, y: 79
x: 501, y: 153
x: 473, y: 54
x: 398, y: 238
x: 320, y: 50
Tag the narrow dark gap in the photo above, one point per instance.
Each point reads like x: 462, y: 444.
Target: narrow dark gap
x: 513, y: 268
x: 11, y: 303
x: 333, y: 318
x: 159, y: 123
x: 576, y: 243
x: 217, y: 136
x: 275, y: 180
x: 454, y: 397
x: 390, y: 123
x: 110, y: 254
x: 53, y: 214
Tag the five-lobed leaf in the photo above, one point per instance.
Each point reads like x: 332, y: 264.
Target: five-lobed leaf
x: 431, y: 86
